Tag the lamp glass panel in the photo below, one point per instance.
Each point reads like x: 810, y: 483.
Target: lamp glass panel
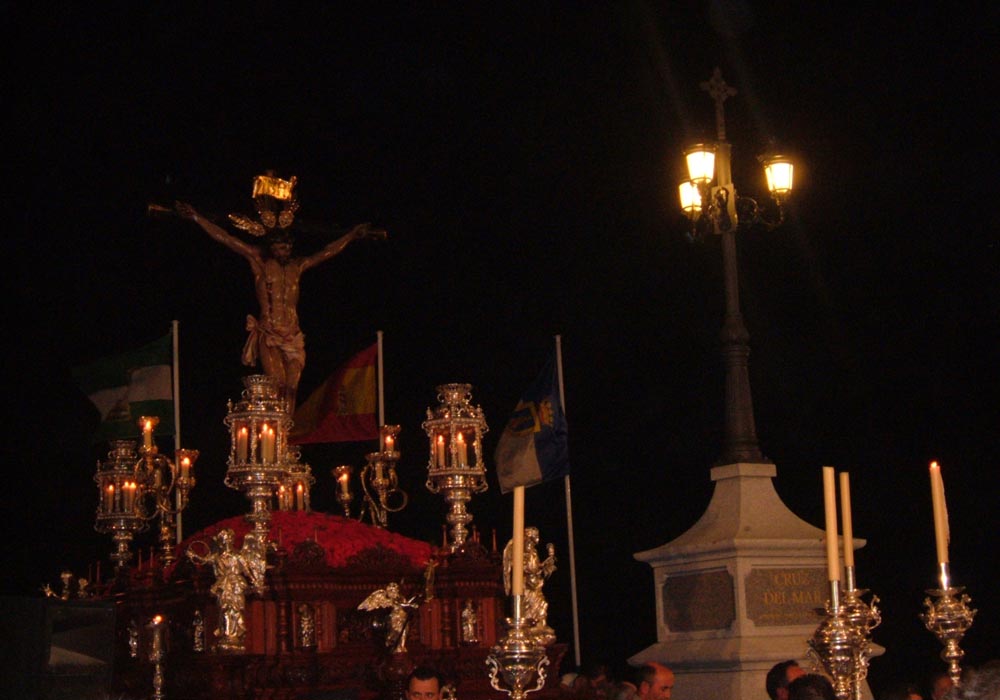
x: 779, y: 176
x: 701, y: 164
x: 690, y: 198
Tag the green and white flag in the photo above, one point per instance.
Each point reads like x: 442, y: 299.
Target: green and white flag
x: 128, y: 386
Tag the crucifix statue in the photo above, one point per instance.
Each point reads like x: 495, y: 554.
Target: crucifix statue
x: 274, y: 338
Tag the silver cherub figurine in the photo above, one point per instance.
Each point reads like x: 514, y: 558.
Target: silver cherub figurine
x: 536, y: 608
x: 399, y: 613
x: 234, y: 572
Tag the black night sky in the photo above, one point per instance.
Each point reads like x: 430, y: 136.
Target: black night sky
x: 524, y: 162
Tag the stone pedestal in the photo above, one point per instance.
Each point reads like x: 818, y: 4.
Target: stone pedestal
x: 738, y: 592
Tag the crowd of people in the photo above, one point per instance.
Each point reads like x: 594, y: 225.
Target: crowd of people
x: 785, y: 681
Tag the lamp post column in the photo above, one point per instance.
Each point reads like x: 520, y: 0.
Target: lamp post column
x: 740, y: 437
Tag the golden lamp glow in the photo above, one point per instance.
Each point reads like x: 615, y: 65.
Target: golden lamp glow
x: 701, y: 163
x: 690, y: 198
x: 778, y: 170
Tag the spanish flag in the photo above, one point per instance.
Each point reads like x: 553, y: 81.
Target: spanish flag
x: 342, y: 409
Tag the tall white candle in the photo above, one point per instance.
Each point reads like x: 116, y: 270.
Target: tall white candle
x: 830, y: 509
x: 147, y: 433
x: 439, y: 447
x: 241, y: 445
x: 940, y: 514
x: 845, y: 518
x: 517, y: 550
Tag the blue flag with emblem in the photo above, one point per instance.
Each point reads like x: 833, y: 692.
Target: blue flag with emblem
x: 534, y: 446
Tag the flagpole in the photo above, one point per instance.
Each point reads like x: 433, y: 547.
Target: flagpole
x: 175, y: 331
x: 381, y: 391
x: 569, y: 519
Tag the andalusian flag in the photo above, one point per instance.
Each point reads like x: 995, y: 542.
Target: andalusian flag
x: 534, y: 447
x: 342, y: 409
x: 129, y: 386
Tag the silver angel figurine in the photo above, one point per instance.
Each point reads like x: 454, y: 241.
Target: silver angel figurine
x: 234, y: 572
x: 399, y: 613
x: 536, y: 608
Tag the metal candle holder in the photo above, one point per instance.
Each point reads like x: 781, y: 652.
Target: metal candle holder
x: 260, y: 461
x: 379, y: 480
x: 836, y: 645
x: 156, y: 652
x: 342, y: 475
x: 949, y: 617
x: 864, y: 618
x: 137, y: 487
x: 518, y: 660
x: 456, y: 469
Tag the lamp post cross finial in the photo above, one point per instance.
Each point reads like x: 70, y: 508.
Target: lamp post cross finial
x: 719, y: 91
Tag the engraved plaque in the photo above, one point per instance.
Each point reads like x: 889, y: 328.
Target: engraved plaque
x: 786, y: 596
x: 702, y: 601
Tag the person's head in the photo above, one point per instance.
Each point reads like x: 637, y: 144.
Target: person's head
x: 779, y: 677
x: 598, y: 674
x: 655, y: 682
x: 940, y: 685
x: 423, y: 683
x: 902, y: 691
x: 811, y: 686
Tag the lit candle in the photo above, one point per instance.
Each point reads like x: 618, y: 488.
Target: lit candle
x: 343, y: 480
x: 298, y: 496
x: 517, y: 549
x: 389, y: 443
x: 845, y: 518
x: 440, y: 450
x: 241, y: 445
x: 463, y: 452
x: 270, y: 445
x: 185, y: 467
x: 147, y: 433
x: 940, y: 514
x: 830, y: 509
x: 109, y: 498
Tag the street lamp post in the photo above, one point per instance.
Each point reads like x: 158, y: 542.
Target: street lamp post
x: 710, y: 201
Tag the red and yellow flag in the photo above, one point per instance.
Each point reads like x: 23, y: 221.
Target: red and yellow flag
x: 342, y: 409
